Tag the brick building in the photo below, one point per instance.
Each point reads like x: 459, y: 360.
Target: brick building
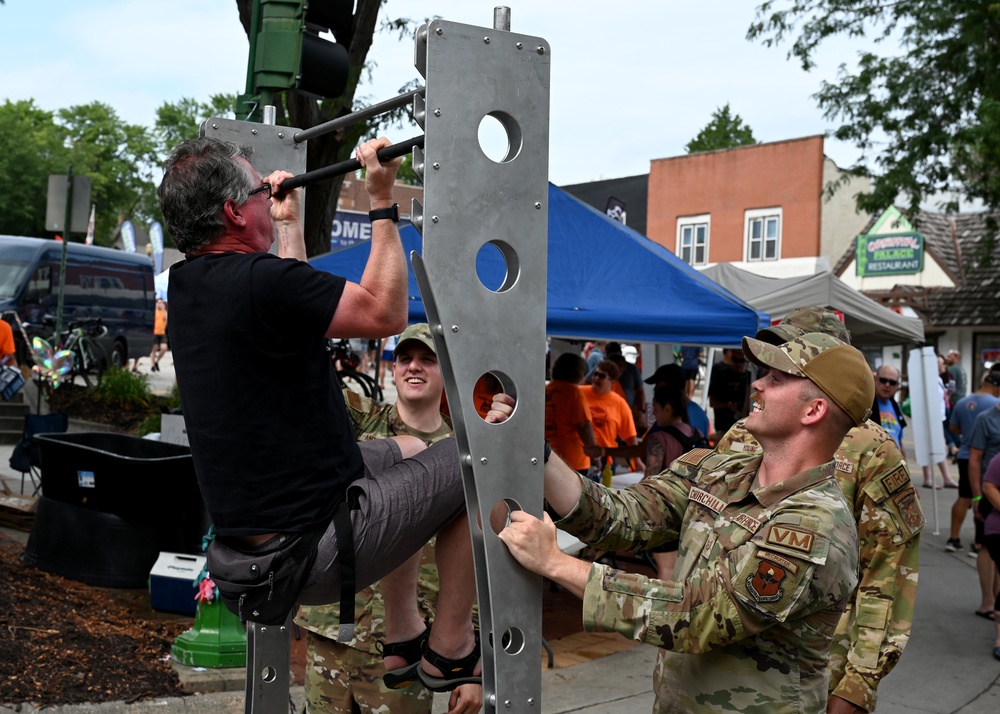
x: 763, y: 207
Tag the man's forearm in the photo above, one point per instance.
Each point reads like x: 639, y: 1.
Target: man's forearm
x: 385, y: 274
x: 291, y: 240
x: 976, y: 471
x: 562, y: 485
x: 992, y: 494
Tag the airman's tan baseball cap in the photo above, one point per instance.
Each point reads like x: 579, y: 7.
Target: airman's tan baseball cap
x: 838, y: 369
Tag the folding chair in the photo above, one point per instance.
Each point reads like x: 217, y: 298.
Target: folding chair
x: 25, y: 455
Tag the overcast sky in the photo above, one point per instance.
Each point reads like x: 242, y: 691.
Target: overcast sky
x: 632, y: 80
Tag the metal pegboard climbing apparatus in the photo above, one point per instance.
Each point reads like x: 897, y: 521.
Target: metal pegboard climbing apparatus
x: 481, y: 208
x: 482, y: 204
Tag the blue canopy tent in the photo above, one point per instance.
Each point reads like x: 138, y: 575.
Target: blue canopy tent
x: 605, y: 282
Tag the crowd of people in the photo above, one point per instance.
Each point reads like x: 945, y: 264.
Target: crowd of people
x: 972, y: 444
x: 785, y: 538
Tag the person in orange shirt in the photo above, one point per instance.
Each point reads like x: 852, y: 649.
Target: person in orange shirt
x: 8, y: 350
x: 568, y: 428
x: 159, y: 335
x: 609, y: 412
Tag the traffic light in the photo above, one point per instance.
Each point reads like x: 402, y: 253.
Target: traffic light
x: 288, y: 52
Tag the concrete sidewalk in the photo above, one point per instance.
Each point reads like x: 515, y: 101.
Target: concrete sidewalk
x: 947, y: 667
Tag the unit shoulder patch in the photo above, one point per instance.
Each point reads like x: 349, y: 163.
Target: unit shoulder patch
x: 909, y: 508
x: 764, y: 585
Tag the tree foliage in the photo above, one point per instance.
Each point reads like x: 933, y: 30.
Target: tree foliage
x: 926, y: 117
x: 724, y: 131
x: 123, y: 160
x: 119, y: 158
x: 34, y: 144
x: 177, y: 121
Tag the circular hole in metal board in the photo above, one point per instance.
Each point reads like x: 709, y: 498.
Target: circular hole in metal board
x: 497, y: 266
x: 500, y: 513
x: 500, y: 137
x: 486, y: 387
x: 512, y: 640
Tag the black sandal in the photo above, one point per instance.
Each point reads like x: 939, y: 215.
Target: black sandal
x: 456, y: 671
x: 411, y: 651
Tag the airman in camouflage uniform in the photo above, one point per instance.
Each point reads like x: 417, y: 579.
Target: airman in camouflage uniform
x: 761, y: 579
x: 765, y: 568
x: 347, y: 677
x: 876, y: 482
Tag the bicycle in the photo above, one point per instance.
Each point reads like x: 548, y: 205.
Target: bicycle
x: 80, y: 338
x: 346, y: 363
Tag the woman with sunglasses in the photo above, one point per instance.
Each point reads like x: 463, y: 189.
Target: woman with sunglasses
x: 609, y: 412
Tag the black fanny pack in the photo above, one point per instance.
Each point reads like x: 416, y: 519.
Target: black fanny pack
x: 264, y: 585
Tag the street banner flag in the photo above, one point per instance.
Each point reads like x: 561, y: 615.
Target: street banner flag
x: 616, y: 209
x: 156, y: 240
x: 128, y: 236
x: 90, y: 224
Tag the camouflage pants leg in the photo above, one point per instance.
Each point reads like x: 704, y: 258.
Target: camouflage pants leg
x: 337, y: 675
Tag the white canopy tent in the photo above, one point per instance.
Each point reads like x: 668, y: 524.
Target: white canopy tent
x: 870, y: 323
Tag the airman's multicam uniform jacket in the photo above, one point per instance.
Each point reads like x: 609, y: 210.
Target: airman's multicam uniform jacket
x: 762, y: 578
x: 876, y: 627
x: 372, y: 421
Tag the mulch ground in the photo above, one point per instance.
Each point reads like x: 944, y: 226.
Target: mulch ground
x: 63, y: 642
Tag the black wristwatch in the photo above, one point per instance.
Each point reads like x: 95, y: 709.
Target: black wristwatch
x: 392, y: 213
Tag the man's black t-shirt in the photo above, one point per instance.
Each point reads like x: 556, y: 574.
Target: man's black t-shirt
x: 271, y: 441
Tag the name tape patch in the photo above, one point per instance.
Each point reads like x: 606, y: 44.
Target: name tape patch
x: 706, y: 499
x: 748, y: 522
x: 789, y: 537
x: 844, y: 466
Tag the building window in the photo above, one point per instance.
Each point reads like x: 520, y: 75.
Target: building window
x: 763, y: 234
x: 692, y: 239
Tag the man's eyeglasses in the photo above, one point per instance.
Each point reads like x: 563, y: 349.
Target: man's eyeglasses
x: 265, y: 186
x: 600, y: 375
x: 890, y: 382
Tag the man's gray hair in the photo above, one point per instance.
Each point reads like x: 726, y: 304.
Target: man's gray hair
x: 199, y: 176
